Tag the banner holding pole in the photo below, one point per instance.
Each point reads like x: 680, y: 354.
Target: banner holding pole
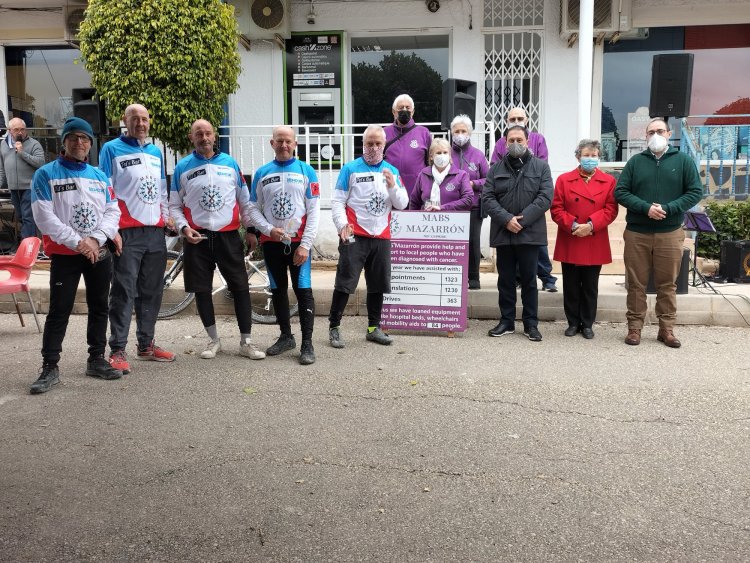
x: 429, y: 269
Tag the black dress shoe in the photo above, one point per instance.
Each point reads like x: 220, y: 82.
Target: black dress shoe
x: 501, y: 330
x: 588, y: 333
x: 571, y: 330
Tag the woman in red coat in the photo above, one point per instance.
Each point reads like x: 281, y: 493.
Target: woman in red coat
x: 583, y: 206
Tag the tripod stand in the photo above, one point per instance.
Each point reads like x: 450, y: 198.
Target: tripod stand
x: 698, y: 222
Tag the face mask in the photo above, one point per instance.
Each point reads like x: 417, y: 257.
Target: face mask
x: 372, y: 155
x: 404, y: 116
x: 460, y: 140
x: 588, y: 163
x: 441, y: 160
x: 516, y: 150
x: 657, y: 143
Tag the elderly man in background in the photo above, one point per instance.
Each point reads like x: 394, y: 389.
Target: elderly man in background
x: 656, y: 186
x: 20, y: 157
x: 136, y: 171
x: 538, y: 147
x: 407, y: 144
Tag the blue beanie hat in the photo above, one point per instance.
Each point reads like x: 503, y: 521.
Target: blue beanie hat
x: 73, y: 124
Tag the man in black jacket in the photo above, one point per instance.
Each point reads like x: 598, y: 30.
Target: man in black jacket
x: 516, y: 195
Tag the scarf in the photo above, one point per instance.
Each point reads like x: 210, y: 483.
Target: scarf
x: 437, y: 179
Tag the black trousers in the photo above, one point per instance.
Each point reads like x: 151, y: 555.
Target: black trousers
x: 475, y: 249
x: 65, y: 274
x: 278, y: 261
x: 524, y: 257
x: 137, y: 283
x: 580, y: 293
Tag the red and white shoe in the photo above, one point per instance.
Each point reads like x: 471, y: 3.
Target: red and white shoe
x: 156, y: 354
x: 119, y: 361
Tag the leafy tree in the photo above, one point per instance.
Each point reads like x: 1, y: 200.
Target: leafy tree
x: 177, y: 57
x: 737, y: 107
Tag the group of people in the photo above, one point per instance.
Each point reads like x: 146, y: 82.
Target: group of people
x: 107, y: 224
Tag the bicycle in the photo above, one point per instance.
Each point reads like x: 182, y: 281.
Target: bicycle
x: 260, y: 290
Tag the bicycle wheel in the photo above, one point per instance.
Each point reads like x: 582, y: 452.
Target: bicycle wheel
x: 260, y: 294
x: 174, y: 269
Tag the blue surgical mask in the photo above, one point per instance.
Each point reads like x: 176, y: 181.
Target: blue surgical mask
x: 589, y: 163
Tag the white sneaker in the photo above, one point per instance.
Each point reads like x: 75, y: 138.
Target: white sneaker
x: 212, y: 348
x: 249, y: 350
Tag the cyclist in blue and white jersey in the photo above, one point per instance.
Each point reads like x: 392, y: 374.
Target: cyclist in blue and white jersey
x: 366, y: 190
x: 209, y: 196
x: 136, y: 170
x: 285, y: 207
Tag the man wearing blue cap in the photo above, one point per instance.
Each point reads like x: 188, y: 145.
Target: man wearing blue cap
x: 76, y: 211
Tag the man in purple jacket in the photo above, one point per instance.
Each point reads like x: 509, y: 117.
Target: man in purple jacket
x: 406, y: 143
x: 538, y: 147
x: 537, y: 144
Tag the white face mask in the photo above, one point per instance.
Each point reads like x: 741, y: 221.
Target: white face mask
x: 460, y: 140
x: 657, y: 144
x: 441, y: 160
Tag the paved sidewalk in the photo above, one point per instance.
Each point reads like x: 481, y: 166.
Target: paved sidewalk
x: 471, y: 449
x: 730, y: 307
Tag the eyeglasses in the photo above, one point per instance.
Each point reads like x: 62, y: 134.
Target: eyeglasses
x: 79, y: 138
x: 404, y: 108
x: 516, y: 119
x: 659, y: 132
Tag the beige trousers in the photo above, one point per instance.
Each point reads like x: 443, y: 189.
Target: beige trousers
x: 663, y: 253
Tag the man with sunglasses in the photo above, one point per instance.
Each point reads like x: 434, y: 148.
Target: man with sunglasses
x: 656, y: 186
x: 76, y: 211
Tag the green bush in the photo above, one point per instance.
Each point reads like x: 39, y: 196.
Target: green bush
x: 732, y: 221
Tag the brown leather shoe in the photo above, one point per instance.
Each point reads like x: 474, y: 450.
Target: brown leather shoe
x: 667, y: 336
x: 634, y: 337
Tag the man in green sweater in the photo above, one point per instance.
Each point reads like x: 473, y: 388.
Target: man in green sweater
x: 656, y: 186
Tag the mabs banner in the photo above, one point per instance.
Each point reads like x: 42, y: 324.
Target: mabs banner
x: 429, y: 261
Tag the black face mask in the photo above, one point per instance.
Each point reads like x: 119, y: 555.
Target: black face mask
x: 404, y: 116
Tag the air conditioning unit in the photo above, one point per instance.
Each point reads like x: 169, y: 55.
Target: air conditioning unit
x: 73, y: 15
x: 262, y: 19
x: 610, y: 16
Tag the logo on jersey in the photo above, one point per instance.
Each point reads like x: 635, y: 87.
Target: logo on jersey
x: 130, y: 162
x: 315, y: 189
x: 395, y: 225
x: 69, y: 187
x: 473, y: 166
x: 84, y: 217
x: 199, y: 172
x: 377, y: 204
x: 414, y: 144
x: 147, y: 190
x: 282, y: 206
x: 211, y: 200
x: 450, y: 188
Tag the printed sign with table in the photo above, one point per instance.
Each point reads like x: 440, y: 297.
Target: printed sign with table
x: 429, y: 260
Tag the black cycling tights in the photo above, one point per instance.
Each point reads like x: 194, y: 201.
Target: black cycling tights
x: 205, y: 304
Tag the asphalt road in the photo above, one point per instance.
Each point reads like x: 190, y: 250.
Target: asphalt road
x: 433, y: 449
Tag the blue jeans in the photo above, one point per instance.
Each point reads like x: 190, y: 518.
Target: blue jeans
x: 22, y: 204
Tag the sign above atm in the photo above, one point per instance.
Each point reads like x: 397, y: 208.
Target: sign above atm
x: 314, y: 61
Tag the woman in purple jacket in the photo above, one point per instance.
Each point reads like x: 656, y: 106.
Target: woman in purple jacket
x: 441, y: 186
x: 473, y: 161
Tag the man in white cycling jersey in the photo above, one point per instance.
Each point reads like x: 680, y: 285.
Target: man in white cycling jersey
x: 285, y: 206
x: 209, y: 196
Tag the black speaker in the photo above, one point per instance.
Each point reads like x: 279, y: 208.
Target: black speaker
x: 735, y: 261
x: 682, y: 276
x: 90, y: 110
x: 459, y: 97
x: 671, y: 85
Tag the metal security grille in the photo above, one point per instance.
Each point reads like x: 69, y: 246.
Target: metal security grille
x: 513, y: 74
x: 513, y: 13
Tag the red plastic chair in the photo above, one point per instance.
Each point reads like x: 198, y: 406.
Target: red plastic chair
x: 19, y: 267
